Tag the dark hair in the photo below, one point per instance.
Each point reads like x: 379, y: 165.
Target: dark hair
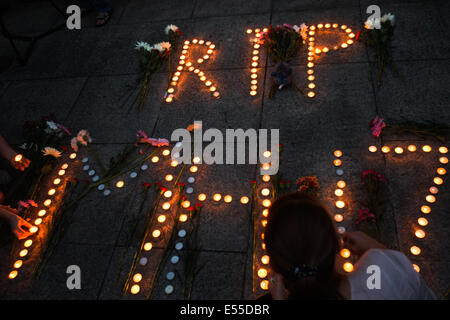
x: 302, y: 243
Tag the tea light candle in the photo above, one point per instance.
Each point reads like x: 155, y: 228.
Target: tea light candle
x: 23, y: 253
x: 443, y: 160
x: 337, y: 162
x: 412, y: 148
x: 155, y: 159
x: 120, y: 184
x: 193, y: 169
x: 61, y: 172
x: 339, y: 192
x: 161, y: 218
x: 137, y: 277
x: 166, y: 206
x: 64, y: 166
x: 373, y: 149
x: 262, y: 272
x: 47, y: 202
x: 135, y: 289
x: 415, y: 250
x: 217, y: 197
x: 398, y: 150
x: 169, y: 177
x: 28, y: 243
x: 443, y: 149
x: 38, y: 221
x: 156, y: 233
x: 426, y: 148
x: 416, y: 267
x: 264, y: 285
x: 425, y: 209
x: 385, y: 149
x: 244, y: 200
x: 18, y: 264
x: 422, y: 221
x: 265, y: 192
x: 345, y: 253
x: 430, y: 198
x: 266, y: 178
x: 166, y: 152
x: 341, y: 184
x: 13, y: 274
x: 186, y: 204
x: 266, y: 166
x: 18, y: 158
x: 420, y: 233
x: 148, y: 246
x: 167, y: 193
x: 183, y: 217
x: 265, y: 213
x: 42, y: 213
x: 73, y: 156
x: 249, y: 31
x: 201, y: 197
x: 264, y: 223
x: 338, y: 153
x: 267, y: 154
x: 434, y: 190
x: 196, y: 160
x: 441, y: 171
x: 265, y: 259
x: 438, y: 180
x: 340, y: 204
x: 266, y: 203
x: 348, y: 267
x: 338, y: 217
x: 227, y: 198
x: 57, y: 181
x: 51, y: 192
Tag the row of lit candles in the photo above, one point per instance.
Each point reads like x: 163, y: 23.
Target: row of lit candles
x: 340, y: 204
x: 40, y: 215
x: 255, y: 60
x: 183, y: 62
x: 313, y: 50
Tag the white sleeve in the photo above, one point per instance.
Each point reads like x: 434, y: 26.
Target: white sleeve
x: 399, y: 280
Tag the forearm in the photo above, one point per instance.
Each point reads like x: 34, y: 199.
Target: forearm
x: 5, y: 150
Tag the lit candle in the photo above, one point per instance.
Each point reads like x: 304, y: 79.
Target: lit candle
x: 266, y: 178
x: 47, y: 202
x: 416, y: 267
x: 338, y: 217
x: 430, y: 198
x: 348, y: 267
x: 385, y: 149
x: 196, y: 160
x: 443, y: 149
x: 398, y: 150
x: 441, y: 171
x: 265, y: 213
x: 156, y: 233
x: 64, y: 166
x: 183, y: 217
x: 23, y: 253
x: 173, y: 163
x: 13, y: 274
x: 338, y: 153
x: 345, y: 253
x: 426, y: 148
x: 161, y: 218
x: 249, y: 31
x: 135, y: 289
x: 227, y: 198
x: 422, y: 221
x: 311, y: 94
x: 155, y: 159
x: 18, y: 264
x: 186, y: 204
x: 265, y: 192
x: 265, y: 259
x: 42, y: 213
x: 339, y: 192
x: 217, y: 197
x: 137, y: 277
x: 262, y: 272
x: 169, y: 177
x: 438, y: 180
x: 443, y: 160
x: 264, y: 285
x: 412, y: 148
x: 266, y: 203
x: 244, y: 200
x: 167, y: 193
x: 193, y: 169
x: 425, y: 209
x: 166, y: 206
x: 120, y: 184
x: 28, y: 243
x: 434, y: 190
x: 148, y: 246
x: 420, y: 233
x: 202, y: 197
x: 337, y: 162
x: 340, y: 204
x: 38, y: 221
x: 51, y: 192
x: 264, y: 223
x: 373, y: 149
x: 57, y: 181
x: 415, y: 250
x: 341, y: 184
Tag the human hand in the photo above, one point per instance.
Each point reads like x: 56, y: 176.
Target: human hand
x: 358, y: 242
x: 17, y: 223
x: 19, y: 162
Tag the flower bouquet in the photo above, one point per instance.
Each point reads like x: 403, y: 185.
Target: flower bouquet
x: 151, y: 57
x: 282, y: 42
x: 378, y: 34
x: 309, y: 185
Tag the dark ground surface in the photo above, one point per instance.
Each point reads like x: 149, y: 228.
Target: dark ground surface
x: 81, y: 75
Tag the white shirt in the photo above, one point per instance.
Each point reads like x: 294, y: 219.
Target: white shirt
x: 399, y: 280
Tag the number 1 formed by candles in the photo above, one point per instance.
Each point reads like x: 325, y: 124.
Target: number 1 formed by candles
x: 184, y: 63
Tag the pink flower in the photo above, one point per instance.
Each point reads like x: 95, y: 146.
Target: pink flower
x: 26, y: 204
x: 63, y: 128
x: 142, y: 134
x: 377, y: 124
x: 365, y: 214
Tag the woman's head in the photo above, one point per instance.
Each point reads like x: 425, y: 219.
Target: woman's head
x: 302, y: 243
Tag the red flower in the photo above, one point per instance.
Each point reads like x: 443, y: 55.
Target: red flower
x: 191, y: 208
x: 181, y: 184
x: 357, y: 35
x: 365, y: 214
x: 198, y: 205
x: 158, y: 184
x: 146, y: 185
x: 64, y: 148
x: 179, y: 32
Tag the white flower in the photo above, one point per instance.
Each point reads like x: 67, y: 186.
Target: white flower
x: 143, y: 45
x: 372, y: 23
x: 83, y: 137
x: 49, y: 151
x: 23, y: 146
x: 296, y: 28
x: 74, y: 144
x: 388, y: 16
x: 171, y: 27
x: 53, y: 126
x: 162, y: 46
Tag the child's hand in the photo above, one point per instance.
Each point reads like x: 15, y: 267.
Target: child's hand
x: 17, y: 223
x: 358, y: 242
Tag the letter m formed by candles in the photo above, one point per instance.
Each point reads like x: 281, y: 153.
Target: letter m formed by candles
x: 186, y: 61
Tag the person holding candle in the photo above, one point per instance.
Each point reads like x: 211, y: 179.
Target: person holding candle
x: 303, y: 246
x: 17, y: 223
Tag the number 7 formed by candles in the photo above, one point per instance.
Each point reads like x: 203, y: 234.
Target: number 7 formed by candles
x: 255, y: 58
x: 186, y: 62
x: 315, y: 51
